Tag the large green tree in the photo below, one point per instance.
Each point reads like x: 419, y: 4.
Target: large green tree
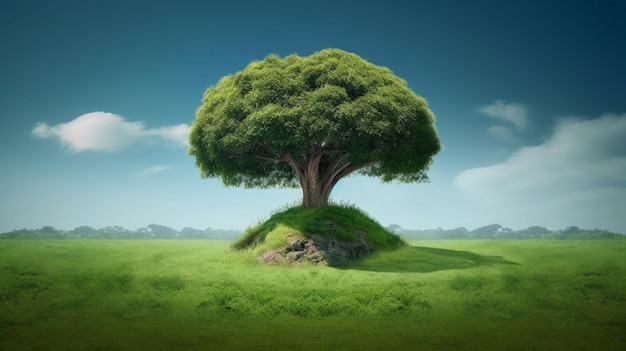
x: 309, y: 122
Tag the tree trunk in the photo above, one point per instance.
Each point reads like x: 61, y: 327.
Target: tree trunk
x: 321, y: 172
x: 314, y: 194
x: 319, y: 177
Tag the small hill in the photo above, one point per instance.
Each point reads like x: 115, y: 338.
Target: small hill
x: 328, y: 235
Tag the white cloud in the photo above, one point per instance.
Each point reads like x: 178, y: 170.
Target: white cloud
x: 103, y: 131
x: 514, y: 113
x: 501, y: 132
x: 578, y: 173
x: 153, y: 170
x: 178, y: 134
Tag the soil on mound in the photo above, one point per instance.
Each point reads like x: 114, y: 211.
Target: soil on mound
x: 319, y: 249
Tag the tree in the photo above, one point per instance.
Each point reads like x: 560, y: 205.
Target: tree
x: 309, y: 122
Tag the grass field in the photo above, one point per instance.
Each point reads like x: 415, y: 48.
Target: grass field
x: 199, y: 295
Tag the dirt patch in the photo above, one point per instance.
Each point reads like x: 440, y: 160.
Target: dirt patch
x: 319, y: 249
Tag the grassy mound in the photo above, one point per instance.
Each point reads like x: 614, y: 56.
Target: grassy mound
x: 342, y: 222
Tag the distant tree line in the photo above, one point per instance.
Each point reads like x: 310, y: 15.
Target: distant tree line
x: 153, y: 231
x: 496, y: 231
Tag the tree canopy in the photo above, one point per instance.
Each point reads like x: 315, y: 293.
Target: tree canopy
x: 310, y: 121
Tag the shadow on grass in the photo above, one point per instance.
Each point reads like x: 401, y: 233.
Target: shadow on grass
x: 418, y: 259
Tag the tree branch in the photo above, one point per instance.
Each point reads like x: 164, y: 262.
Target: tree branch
x: 269, y: 148
x: 295, y: 165
x: 334, y: 167
x: 314, y: 157
x: 348, y: 170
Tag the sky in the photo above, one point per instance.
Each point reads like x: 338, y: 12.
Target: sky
x: 97, y: 97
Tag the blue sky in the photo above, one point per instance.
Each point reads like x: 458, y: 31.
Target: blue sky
x: 97, y: 97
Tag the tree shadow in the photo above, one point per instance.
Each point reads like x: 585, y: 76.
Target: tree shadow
x: 417, y: 259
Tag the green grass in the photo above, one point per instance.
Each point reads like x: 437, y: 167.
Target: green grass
x: 341, y: 221
x: 200, y: 295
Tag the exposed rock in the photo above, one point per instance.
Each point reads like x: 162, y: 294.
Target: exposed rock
x: 319, y: 249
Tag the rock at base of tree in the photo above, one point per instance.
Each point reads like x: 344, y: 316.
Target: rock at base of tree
x: 319, y: 249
